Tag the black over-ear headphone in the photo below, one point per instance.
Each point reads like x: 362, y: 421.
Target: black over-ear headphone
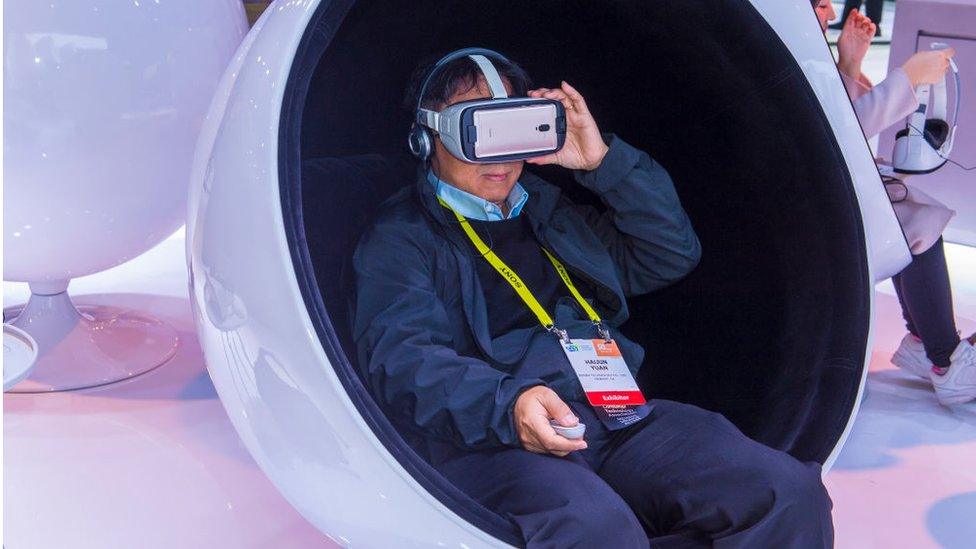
x: 421, y: 139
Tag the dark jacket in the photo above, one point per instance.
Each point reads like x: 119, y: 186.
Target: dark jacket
x: 420, y: 320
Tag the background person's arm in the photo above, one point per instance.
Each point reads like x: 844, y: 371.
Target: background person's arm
x: 894, y: 98
x: 885, y: 104
x: 865, y: 81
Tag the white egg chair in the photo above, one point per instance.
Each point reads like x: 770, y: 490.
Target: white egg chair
x: 103, y: 101
x: 739, y: 100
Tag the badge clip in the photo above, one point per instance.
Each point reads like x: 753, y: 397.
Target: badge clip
x: 603, y: 330
x: 561, y: 334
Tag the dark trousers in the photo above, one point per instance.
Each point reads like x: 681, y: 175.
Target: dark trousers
x: 874, y: 9
x: 683, y: 477
x: 926, y: 303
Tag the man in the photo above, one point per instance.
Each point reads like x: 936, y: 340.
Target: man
x: 465, y: 368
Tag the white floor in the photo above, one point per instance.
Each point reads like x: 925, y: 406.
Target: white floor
x: 154, y: 462
x: 150, y: 463
x: 907, y: 476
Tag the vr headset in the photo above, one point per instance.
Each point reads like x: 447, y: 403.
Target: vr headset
x: 923, y: 146
x: 485, y: 131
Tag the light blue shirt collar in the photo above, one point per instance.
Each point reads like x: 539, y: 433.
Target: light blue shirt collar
x: 474, y: 207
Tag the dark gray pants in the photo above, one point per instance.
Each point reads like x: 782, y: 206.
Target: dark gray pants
x: 926, y: 303
x: 683, y: 477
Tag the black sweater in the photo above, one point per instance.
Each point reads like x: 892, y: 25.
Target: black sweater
x: 512, y: 240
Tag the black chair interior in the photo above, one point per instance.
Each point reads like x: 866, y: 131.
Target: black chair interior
x: 770, y: 329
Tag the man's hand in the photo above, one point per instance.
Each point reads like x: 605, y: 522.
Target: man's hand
x: 927, y: 67
x: 533, y: 410
x: 853, y: 43
x: 584, y: 148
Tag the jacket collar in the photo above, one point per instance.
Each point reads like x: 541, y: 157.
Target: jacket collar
x: 543, y: 198
x: 475, y: 207
x: 539, y: 209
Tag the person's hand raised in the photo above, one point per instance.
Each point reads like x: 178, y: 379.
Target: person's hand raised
x: 532, y: 412
x: 853, y: 42
x: 584, y: 148
x: 927, y: 67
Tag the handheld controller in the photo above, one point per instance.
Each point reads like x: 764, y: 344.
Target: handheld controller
x: 574, y: 432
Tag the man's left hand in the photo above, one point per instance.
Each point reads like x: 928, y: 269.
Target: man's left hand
x: 584, y: 148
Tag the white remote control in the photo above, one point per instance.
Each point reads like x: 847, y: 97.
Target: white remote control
x: 574, y: 432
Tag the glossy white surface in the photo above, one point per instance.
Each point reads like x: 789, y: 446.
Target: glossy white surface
x: 269, y: 369
x: 887, y: 252
x: 150, y: 463
x: 155, y: 463
x: 103, y: 101
x: 19, y: 354
x: 262, y: 352
x: 797, y: 27
x: 88, y: 346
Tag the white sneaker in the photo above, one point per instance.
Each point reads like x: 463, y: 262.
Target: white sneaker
x: 911, y: 358
x: 958, y: 385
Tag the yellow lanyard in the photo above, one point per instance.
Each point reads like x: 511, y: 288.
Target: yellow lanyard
x: 521, y: 289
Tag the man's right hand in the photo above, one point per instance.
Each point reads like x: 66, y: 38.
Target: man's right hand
x: 927, y: 67
x: 532, y: 412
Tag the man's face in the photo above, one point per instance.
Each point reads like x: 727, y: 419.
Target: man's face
x: 492, y: 182
x: 825, y: 13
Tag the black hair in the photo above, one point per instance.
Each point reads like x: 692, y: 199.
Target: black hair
x: 459, y: 76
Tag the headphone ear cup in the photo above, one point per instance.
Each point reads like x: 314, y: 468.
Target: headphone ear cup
x: 936, y: 132
x: 419, y: 142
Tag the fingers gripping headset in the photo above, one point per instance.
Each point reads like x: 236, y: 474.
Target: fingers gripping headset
x: 491, y: 130
x: 923, y: 146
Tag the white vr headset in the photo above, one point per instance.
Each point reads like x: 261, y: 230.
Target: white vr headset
x: 484, y: 131
x: 923, y: 146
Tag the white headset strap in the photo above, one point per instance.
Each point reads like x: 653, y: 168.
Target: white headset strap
x: 916, y: 120
x: 955, y: 76
x: 947, y: 144
x: 938, y: 100
x: 429, y: 118
x: 494, y: 81
x: 487, y: 69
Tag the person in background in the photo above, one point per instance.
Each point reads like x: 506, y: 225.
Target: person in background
x: 875, y: 11
x: 932, y: 348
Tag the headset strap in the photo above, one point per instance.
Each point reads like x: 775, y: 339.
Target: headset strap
x: 495, y: 85
x: 429, y: 118
x: 487, y: 69
x: 955, y: 76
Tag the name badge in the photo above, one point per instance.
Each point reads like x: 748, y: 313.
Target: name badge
x: 603, y: 372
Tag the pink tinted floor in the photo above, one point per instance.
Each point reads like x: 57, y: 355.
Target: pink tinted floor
x: 154, y: 462
x: 907, y: 475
